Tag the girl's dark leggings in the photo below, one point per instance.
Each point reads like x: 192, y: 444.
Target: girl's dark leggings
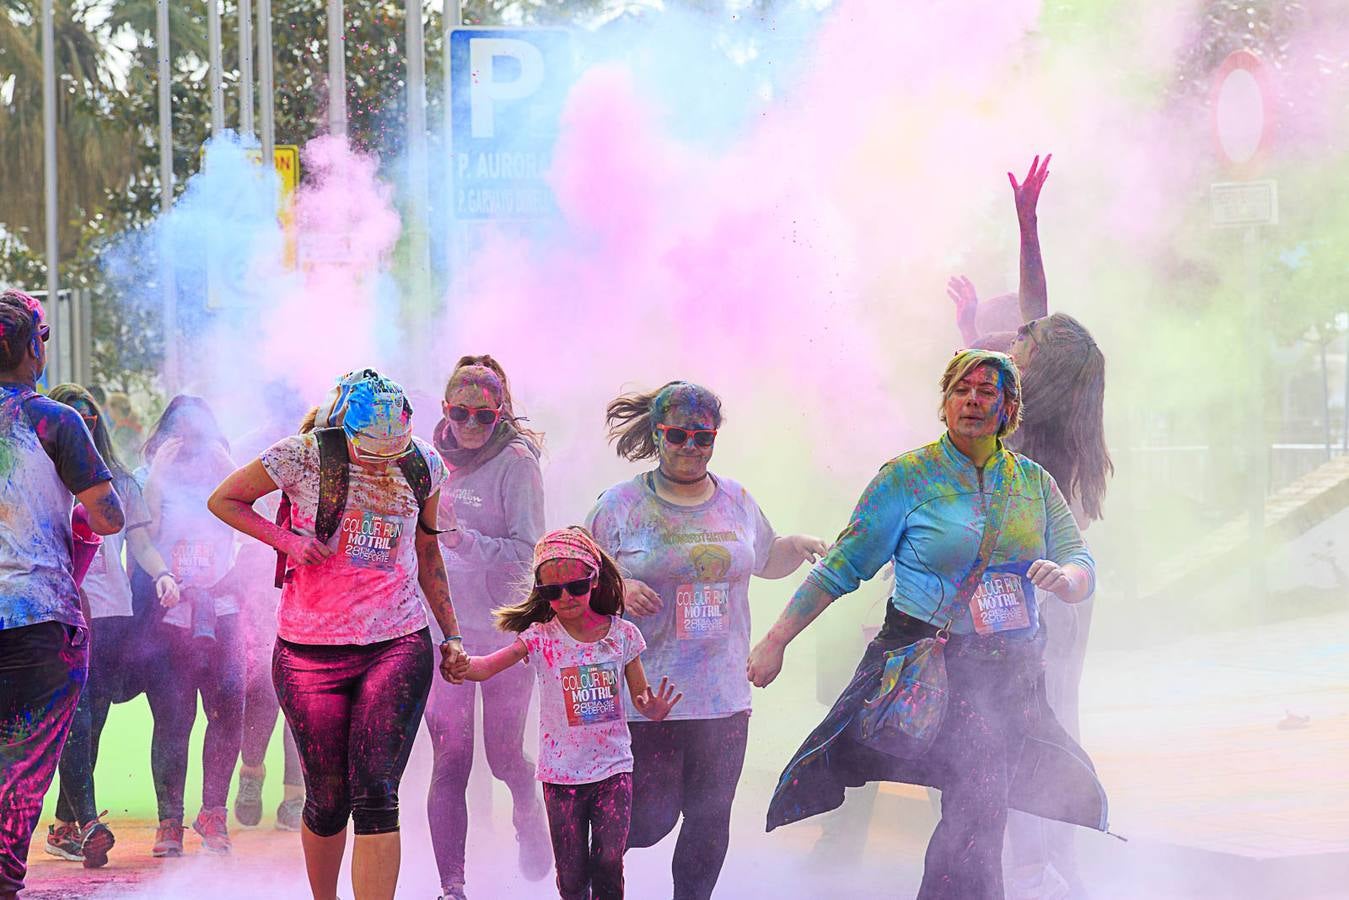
x: 215, y: 668
x: 687, y: 767
x: 589, y: 827
x: 354, y: 710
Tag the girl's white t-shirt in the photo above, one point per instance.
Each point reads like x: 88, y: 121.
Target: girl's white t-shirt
x: 583, y: 729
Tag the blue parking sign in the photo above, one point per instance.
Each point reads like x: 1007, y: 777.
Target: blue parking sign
x: 507, y: 86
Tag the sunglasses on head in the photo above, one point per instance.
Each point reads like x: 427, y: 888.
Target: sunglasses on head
x: 483, y: 415
x: 44, y: 331
x: 702, y: 437
x: 553, y: 592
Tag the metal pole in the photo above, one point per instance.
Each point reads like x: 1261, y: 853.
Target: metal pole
x: 1258, y: 446
x: 168, y: 292
x: 49, y: 155
x: 265, y: 80
x: 246, y: 68
x: 419, y: 310
x: 217, y: 88
x: 337, y: 69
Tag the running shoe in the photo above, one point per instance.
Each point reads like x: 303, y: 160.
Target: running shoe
x: 63, y: 841
x: 212, y: 825
x: 168, y: 838
x: 248, y: 799
x: 96, y: 840
x: 452, y: 892
x: 288, y: 814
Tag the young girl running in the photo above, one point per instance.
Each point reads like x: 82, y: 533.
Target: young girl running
x: 570, y: 628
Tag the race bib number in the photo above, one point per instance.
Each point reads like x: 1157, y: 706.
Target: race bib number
x: 1000, y: 604
x: 193, y: 561
x: 702, y: 610
x: 369, y: 540
x: 590, y: 694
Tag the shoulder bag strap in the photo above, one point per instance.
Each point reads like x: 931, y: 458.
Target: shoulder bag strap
x: 997, y: 511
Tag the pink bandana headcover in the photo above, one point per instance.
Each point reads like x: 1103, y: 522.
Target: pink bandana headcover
x: 567, y: 543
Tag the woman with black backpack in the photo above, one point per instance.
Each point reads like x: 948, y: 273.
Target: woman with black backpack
x: 353, y: 662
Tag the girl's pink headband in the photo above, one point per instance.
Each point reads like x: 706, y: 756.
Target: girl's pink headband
x: 568, y: 543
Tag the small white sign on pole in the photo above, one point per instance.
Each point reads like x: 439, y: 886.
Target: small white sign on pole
x: 1245, y: 202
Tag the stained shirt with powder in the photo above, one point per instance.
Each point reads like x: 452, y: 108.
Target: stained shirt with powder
x: 46, y: 456
x: 195, y: 545
x: 583, y: 731
x: 366, y: 591
x: 699, y: 559
x: 926, y: 510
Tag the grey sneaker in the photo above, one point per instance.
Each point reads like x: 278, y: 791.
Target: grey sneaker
x: 248, y: 799
x: 452, y: 892
x: 288, y: 814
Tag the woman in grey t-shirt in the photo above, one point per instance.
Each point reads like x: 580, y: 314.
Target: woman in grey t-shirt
x: 687, y: 542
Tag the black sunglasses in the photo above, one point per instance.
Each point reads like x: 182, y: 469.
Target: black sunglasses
x: 553, y: 592
x: 702, y: 437
x: 483, y: 415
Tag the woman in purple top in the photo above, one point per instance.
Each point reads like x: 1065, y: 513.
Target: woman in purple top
x: 494, y: 510
x: 687, y: 542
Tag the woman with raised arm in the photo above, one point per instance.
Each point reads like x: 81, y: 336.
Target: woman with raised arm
x: 1062, y: 429
x: 353, y: 662
x: 972, y: 530
x: 687, y: 542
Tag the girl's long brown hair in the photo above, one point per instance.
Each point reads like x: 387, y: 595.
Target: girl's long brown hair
x: 606, y: 598
x: 1062, y: 417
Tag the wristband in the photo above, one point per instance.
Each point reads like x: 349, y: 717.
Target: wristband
x: 163, y: 574
x: 453, y: 637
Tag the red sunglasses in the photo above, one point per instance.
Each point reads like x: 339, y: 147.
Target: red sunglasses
x: 702, y: 437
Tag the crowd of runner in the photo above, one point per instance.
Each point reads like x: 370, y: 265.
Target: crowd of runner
x: 332, y: 568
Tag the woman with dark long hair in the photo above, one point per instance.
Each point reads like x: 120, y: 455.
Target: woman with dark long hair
x: 200, y: 637
x: 78, y: 833
x: 688, y: 542
x: 496, y: 502
x: 1062, y: 429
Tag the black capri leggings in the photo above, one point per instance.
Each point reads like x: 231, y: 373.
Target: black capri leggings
x: 354, y: 710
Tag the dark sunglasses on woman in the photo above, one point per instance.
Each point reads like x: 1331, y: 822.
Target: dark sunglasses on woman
x: 483, y: 415
x: 553, y: 592
x: 702, y: 437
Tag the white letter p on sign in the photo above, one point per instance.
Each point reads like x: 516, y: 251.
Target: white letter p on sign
x: 485, y: 91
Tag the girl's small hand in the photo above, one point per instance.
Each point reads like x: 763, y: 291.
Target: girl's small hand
x: 454, y: 662
x: 656, y: 705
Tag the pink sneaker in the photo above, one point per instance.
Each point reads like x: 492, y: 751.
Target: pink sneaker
x: 168, y: 838
x: 215, y: 833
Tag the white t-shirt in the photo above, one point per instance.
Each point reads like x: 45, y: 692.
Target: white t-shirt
x: 583, y: 731
x: 366, y: 591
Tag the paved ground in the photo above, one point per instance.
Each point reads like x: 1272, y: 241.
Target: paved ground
x: 1224, y: 758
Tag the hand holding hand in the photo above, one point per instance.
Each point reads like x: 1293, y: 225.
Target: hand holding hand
x: 454, y: 662
x: 639, y: 599
x: 1027, y: 193
x: 166, y: 589
x: 1049, y: 576
x: 656, y: 705
x: 808, y: 547
x: 307, y: 551
x: 765, y: 662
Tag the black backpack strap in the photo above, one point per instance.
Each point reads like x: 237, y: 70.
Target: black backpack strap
x: 333, y: 482
x: 282, y: 521
x: 418, y: 474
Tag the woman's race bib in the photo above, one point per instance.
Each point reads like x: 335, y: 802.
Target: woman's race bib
x: 1004, y: 600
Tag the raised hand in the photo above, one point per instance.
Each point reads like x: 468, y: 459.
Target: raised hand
x: 656, y: 705
x: 1027, y: 193
x: 961, y: 291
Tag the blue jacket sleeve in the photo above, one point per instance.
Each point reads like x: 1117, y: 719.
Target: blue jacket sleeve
x: 870, y: 538
x: 1063, y: 539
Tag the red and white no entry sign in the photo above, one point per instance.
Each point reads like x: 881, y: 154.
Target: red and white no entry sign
x: 1243, y: 109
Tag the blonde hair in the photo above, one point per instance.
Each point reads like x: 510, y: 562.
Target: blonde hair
x: 965, y: 362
